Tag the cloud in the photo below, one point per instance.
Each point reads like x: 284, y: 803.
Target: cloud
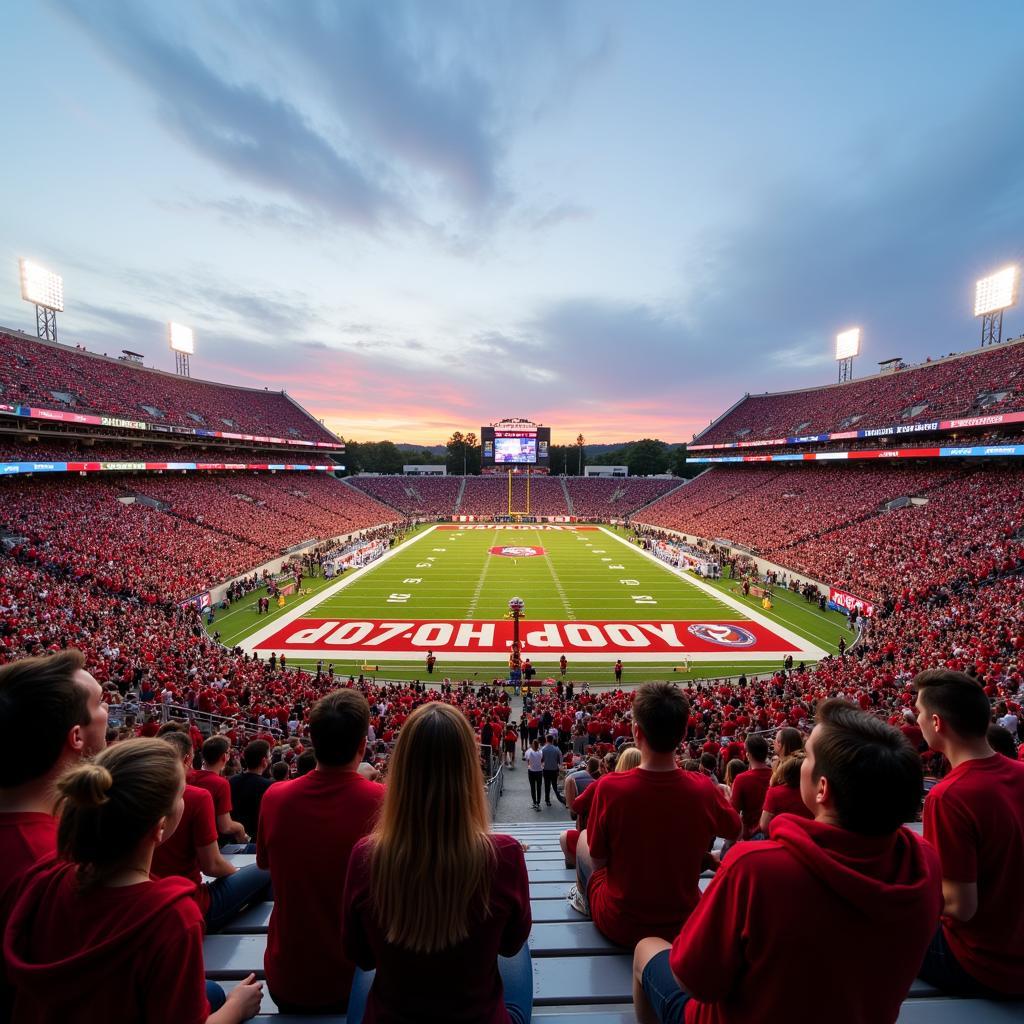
x: 264, y: 140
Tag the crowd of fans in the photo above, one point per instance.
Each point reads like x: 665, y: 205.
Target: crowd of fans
x: 53, y: 376
x: 954, y: 387
x: 419, y: 496
x: 63, y: 449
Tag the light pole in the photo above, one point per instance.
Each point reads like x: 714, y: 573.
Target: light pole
x: 516, y: 606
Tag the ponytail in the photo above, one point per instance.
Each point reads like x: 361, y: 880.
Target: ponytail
x: 109, y: 803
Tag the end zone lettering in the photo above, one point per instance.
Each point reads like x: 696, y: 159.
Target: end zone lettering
x: 494, y: 637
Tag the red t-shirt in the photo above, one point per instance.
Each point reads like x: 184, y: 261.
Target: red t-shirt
x: 178, y: 854
x: 651, y: 825
x: 748, y: 793
x: 216, y: 785
x: 786, y: 800
x: 975, y: 819
x: 307, y: 830
x: 875, y: 899
x: 460, y: 984
x: 131, y: 953
x: 26, y: 837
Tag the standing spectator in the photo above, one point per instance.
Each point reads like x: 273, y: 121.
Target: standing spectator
x: 975, y: 818
x: 618, y: 671
x: 431, y: 662
x: 535, y: 772
x: 433, y: 917
x: 93, y: 936
x: 563, y: 665
x: 750, y: 787
x: 524, y: 733
x: 639, y: 859
x: 62, y: 701
x: 857, y: 876
x: 308, y: 828
x: 551, y: 760
x: 248, y: 786
x: 216, y: 751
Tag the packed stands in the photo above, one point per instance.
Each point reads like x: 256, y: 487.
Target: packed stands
x: 601, y: 498
x: 413, y: 495
x: 52, y: 376
x: 983, y: 382
x: 488, y: 496
x: 58, y: 450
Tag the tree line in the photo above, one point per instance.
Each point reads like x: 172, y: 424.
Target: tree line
x: 647, y: 457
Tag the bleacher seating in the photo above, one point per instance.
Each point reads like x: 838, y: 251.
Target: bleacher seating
x: 46, y: 375
x: 982, y: 382
x: 428, y: 496
x: 58, y: 449
x: 579, y: 977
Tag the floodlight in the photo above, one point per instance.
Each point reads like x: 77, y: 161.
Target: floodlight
x: 41, y: 286
x: 997, y: 291
x: 848, y: 343
x: 182, y: 339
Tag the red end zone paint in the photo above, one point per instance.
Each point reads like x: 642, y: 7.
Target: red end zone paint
x: 518, y: 551
x: 493, y: 637
x: 565, y: 528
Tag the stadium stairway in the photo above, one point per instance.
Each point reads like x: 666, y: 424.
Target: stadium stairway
x: 579, y: 976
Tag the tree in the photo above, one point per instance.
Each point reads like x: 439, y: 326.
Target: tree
x: 677, y: 462
x: 472, y: 452
x: 557, y: 459
x: 647, y: 457
x: 352, y: 459
x: 456, y: 461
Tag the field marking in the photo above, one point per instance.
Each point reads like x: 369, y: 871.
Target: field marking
x: 808, y: 649
x: 560, y: 590
x: 259, y: 635
x: 475, y: 600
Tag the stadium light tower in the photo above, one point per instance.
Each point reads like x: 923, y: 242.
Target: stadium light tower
x: 45, y: 290
x: 182, y: 345
x: 992, y: 295
x: 847, y: 349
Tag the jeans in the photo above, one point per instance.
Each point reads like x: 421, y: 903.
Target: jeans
x: 667, y: 999
x: 215, y: 996
x: 942, y: 969
x: 535, y: 782
x: 230, y: 895
x: 551, y: 783
x: 516, y: 979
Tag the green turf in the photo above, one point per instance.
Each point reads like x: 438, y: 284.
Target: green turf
x: 450, y: 575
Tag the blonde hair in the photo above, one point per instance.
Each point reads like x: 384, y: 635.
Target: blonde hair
x: 107, y: 804
x: 629, y: 757
x: 787, y: 771
x: 431, y: 853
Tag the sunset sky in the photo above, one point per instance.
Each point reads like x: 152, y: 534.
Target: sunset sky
x: 419, y: 217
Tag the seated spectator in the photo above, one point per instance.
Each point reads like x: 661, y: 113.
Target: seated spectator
x: 308, y: 827
x: 248, y: 786
x: 750, y: 788
x: 433, y: 898
x: 734, y: 768
x: 787, y: 742
x: 639, y: 859
x: 216, y: 752
x: 1001, y: 741
x: 974, y: 817
x: 192, y: 851
x: 93, y: 937
x: 858, y: 878
x: 783, y: 795
x: 69, y: 721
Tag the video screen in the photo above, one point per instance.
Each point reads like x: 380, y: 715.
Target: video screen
x: 515, y: 449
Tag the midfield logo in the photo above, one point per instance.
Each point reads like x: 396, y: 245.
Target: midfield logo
x: 522, y: 551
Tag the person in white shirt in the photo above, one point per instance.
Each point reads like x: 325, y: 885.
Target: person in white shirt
x: 535, y: 772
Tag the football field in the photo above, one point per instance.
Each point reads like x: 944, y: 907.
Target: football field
x: 590, y: 593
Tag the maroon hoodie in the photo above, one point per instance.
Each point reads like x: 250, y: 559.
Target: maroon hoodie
x: 129, y: 953
x: 816, y: 922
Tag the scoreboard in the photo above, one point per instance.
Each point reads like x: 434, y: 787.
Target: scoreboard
x: 513, y: 443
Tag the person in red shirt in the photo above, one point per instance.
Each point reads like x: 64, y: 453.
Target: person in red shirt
x: 192, y: 851
x: 641, y: 854
x: 750, y: 787
x: 433, y: 898
x: 307, y: 830
x: 216, y: 750
x: 975, y: 819
x: 783, y: 795
x: 869, y: 886
x: 93, y: 936
x: 64, y: 705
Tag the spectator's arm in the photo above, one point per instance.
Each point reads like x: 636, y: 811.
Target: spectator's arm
x: 766, y: 817
x: 959, y: 899
x: 227, y: 826
x: 212, y: 862
x: 727, y: 822
x: 570, y: 794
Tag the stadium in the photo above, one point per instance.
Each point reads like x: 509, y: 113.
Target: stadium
x: 788, y: 652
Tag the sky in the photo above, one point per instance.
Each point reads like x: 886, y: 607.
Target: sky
x: 417, y: 217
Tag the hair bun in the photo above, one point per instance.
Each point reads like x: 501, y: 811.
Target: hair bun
x: 87, y: 785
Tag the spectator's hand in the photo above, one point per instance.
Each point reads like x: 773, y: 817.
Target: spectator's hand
x: 368, y: 771
x: 245, y: 997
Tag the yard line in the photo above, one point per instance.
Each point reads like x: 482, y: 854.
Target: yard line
x: 479, y: 586
x: 559, y: 588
